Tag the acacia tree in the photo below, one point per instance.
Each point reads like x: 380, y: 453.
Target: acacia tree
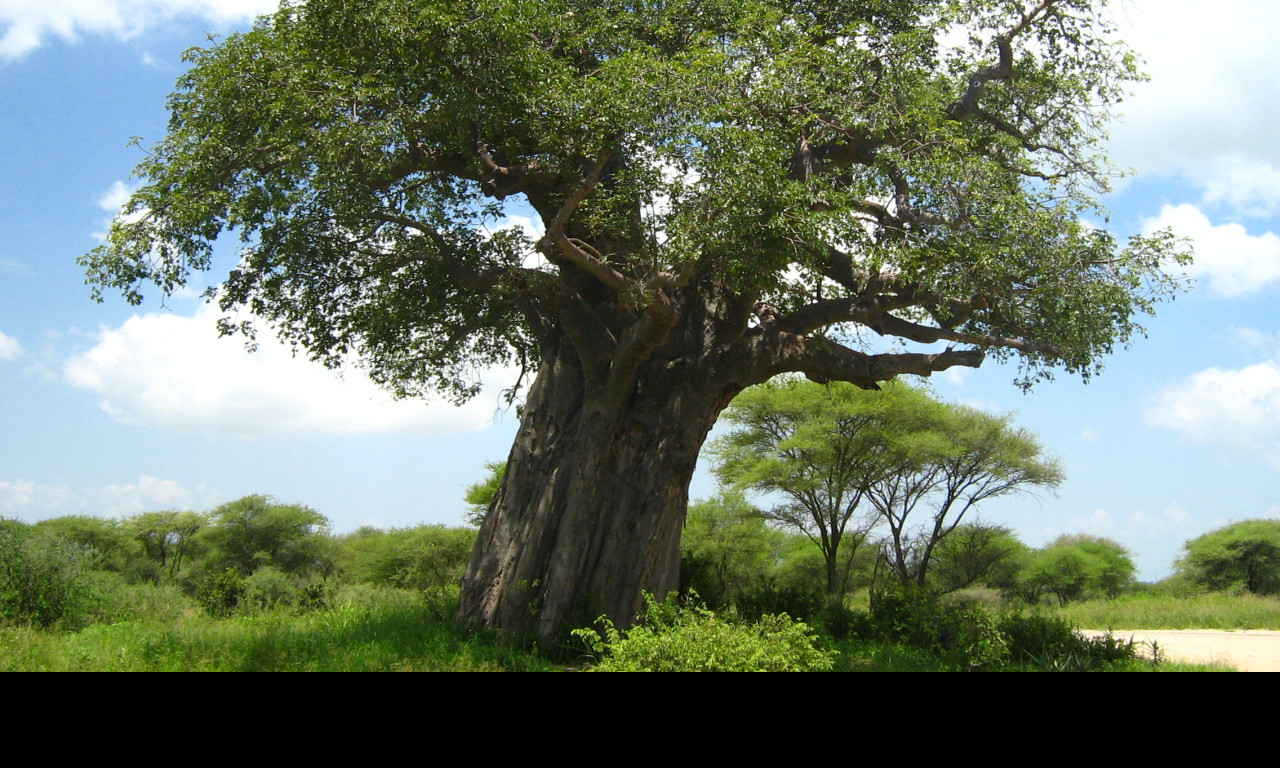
x: 949, y: 459
x: 839, y: 455
x: 727, y: 189
x: 1241, y: 555
x: 977, y: 553
x: 821, y: 448
x: 167, y: 537
x: 1078, y: 566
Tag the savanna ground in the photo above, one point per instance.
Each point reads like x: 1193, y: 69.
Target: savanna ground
x: 1238, y: 631
x: 398, y: 630
x: 256, y: 585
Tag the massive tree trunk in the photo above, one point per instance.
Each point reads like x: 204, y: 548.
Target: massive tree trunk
x: 591, y: 510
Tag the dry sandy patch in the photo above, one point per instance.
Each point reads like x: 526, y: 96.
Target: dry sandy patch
x: 1248, y: 650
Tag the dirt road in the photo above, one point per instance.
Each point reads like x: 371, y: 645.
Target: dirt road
x: 1246, y: 650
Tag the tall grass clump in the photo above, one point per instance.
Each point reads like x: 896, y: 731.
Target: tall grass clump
x: 386, y: 631
x: 1209, y: 610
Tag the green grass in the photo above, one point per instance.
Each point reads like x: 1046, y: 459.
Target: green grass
x: 356, y: 638
x: 1152, y: 611
x: 386, y: 630
x: 861, y: 656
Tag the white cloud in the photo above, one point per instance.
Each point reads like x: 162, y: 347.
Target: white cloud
x: 1255, y: 341
x: 26, y: 24
x: 1233, y: 261
x: 1239, y: 408
x: 174, y: 372
x: 113, y: 201
x: 148, y: 494
x: 115, y: 198
x: 9, y: 347
x: 32, y: 501
x: 1209, y: 111
x: 955, y: 376
x: 24, y: 496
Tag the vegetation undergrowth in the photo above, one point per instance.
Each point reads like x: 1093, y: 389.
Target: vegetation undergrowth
x: 398, y: 631
x: 683, y: 635
x: 1210, y: 610
x: 907, y: 630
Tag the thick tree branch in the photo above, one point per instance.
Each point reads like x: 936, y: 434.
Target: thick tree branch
x: 578, y: 252
x: 968, y: 104
x: 889, y: 325
x: 823, y: 360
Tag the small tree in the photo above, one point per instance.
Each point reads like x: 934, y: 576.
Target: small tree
x: 167, y: 537
x: 256, y: 531
x: 974, y: 553
x: 1244, y: 555
x: 820, y: 448
x: 1080, y: 566
x: 846, y: 459
x: 947, y: 459
x: 427, y: 558
x: 479, y: 496
x: 43, y: 577
x: 109, y: 539
x: 726, y: 548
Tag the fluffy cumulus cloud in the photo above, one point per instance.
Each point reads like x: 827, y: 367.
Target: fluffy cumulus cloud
x: 23, y: 496
x: 32, y: 501
x: 1209, y: 111
x: 149, y: 493
x: 1230, y: 260
x: 9, y: 347
x: 175, y: 372
x: 26, y: 24
x: 1238, y: 408
x: 112, y: 201
x: 114, y: 198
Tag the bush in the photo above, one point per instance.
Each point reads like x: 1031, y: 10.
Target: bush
x: 427, y: 558
x: 220, y: 593
x: 44, y: 580
x: 770, y: 597
x: 1051, y: 644
x: 1241, y: 557
x: 687, y: 637
x: 965, y: 635
x: 1080, y: 567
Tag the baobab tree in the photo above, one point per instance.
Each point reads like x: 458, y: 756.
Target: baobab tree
x: 727, y: 190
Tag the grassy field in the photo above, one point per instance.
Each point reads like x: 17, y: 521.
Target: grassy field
x: 1149, y: 611
x: 391, y: 630
x: 353, y: 638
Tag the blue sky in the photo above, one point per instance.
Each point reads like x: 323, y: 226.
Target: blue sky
x: 112, y: 410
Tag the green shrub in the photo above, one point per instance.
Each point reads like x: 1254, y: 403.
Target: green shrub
x: 1051, y: 644
x: 1078, y: 567
x: 1241, y: 557
x: 268, y: 588
x: 965, y: 635
x: 687, y: 637
x: 44, y: 580
x: 220, y: 593
x: 770, y: 597
x: 116, y: 599
x: 427, y: 558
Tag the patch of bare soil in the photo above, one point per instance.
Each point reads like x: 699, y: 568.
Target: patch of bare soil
x: 1247, y: 650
